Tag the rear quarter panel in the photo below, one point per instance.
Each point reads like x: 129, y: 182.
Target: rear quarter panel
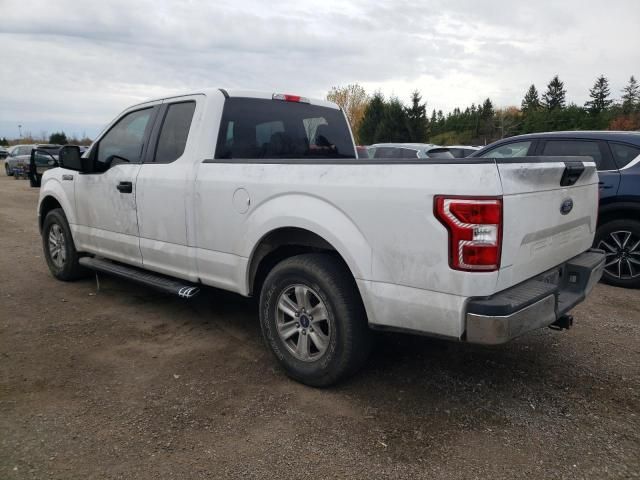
x: 378, y: 216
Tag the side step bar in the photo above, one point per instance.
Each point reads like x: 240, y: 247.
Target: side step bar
x: 153, y: 280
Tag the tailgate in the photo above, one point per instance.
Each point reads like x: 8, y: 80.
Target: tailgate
x: 550, y: 213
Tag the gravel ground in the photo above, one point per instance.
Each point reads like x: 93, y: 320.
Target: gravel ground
x: 128, y: 383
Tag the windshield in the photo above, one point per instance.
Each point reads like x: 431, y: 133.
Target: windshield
x: 254, y: 128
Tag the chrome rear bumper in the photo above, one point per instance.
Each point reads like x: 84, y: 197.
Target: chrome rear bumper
x: 535, y: 303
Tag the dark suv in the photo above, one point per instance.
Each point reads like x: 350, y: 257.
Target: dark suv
x: 617, y: 156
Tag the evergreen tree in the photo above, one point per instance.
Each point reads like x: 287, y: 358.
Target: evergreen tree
x: 58, y: 138
x: 531, y: 100
x: 487, y: 109
x: 555, y: 96
x: 485, y: 124
x: 371, y: 119
x: 631, y: 96
x: 394, y: 126
x: 417, y: 119
x: 599, y: 96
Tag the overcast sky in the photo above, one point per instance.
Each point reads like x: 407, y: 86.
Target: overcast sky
x: 73, y: 65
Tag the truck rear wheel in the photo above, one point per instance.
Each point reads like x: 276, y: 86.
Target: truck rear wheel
x: 313, y: 319
x: 620, y: 240
x: 59, y: 249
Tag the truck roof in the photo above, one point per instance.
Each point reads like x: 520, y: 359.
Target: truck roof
x: 240, y: 93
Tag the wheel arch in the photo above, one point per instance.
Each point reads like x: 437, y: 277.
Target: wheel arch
x: 298, y: 223
x: 53, y: 196
x: 282, y: 243
x: 618, y: 211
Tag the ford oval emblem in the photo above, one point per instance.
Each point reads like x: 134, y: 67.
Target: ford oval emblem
x: 566, y: 207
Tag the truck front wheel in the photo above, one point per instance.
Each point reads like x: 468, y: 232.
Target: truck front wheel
x: 313, y: 319
x: 59, y: 249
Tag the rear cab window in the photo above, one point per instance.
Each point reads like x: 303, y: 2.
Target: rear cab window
x: 253, y: 128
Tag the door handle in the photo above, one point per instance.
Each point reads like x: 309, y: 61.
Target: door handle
x: 125, y: 187
x: 602, y: 185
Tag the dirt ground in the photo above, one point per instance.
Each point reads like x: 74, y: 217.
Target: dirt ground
x: 129, y: 383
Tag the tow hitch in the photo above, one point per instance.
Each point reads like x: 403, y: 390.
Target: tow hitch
x: 565, y: 322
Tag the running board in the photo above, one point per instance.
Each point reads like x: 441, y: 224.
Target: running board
x: 153, y: 280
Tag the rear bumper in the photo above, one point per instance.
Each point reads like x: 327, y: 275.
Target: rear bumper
x: 535, y: 303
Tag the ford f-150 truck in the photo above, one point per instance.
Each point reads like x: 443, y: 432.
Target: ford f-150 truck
x: 263, y: 194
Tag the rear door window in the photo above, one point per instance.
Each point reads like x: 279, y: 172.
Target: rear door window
x: 586, y: 148
x: 253, y: 128
x: 174, y: 132
x: 624, y: 154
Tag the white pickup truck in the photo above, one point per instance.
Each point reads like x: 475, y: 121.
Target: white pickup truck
x: 262, y: 194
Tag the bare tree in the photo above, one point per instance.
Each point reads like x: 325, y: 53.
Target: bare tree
x: 353, y: 99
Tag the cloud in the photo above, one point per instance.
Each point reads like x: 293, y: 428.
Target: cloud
x: 79, y: 64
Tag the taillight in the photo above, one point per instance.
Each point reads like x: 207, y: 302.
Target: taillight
x: 475, y: 231
x: 289, y: 98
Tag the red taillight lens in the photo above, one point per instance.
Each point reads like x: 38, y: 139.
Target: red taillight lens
x: 475, y: 231
x: 289, y: 98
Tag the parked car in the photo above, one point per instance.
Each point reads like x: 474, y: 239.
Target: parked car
x: 617, y: 156
x: 15, y: 159
x: 18, y: 163
x: 4, y: 152
x: 275, y: 204
x: 462, y: 151
x: 408, y: 150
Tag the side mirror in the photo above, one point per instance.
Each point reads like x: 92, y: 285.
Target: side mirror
x: 69, y: 157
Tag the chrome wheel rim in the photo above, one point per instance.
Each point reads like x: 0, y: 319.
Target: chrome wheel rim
x: 57, y: 250
x: 303, y: 322
x: 622, y: 251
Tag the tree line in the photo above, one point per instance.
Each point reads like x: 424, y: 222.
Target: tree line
x: 376, y: 119
x: 56, y: 138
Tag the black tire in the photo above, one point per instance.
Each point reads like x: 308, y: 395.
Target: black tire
x: 7, y: 170
x: 349, y: 340
x: 626, y: 252
x: 69, y: 269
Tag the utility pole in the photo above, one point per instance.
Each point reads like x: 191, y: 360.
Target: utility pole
x: 20, y: 130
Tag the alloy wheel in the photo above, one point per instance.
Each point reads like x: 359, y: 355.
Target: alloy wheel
x: 57, y: 249
x: 303, y: 322
x: 622, y: 251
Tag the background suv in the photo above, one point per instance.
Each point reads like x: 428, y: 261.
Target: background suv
x: 617, y: 156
